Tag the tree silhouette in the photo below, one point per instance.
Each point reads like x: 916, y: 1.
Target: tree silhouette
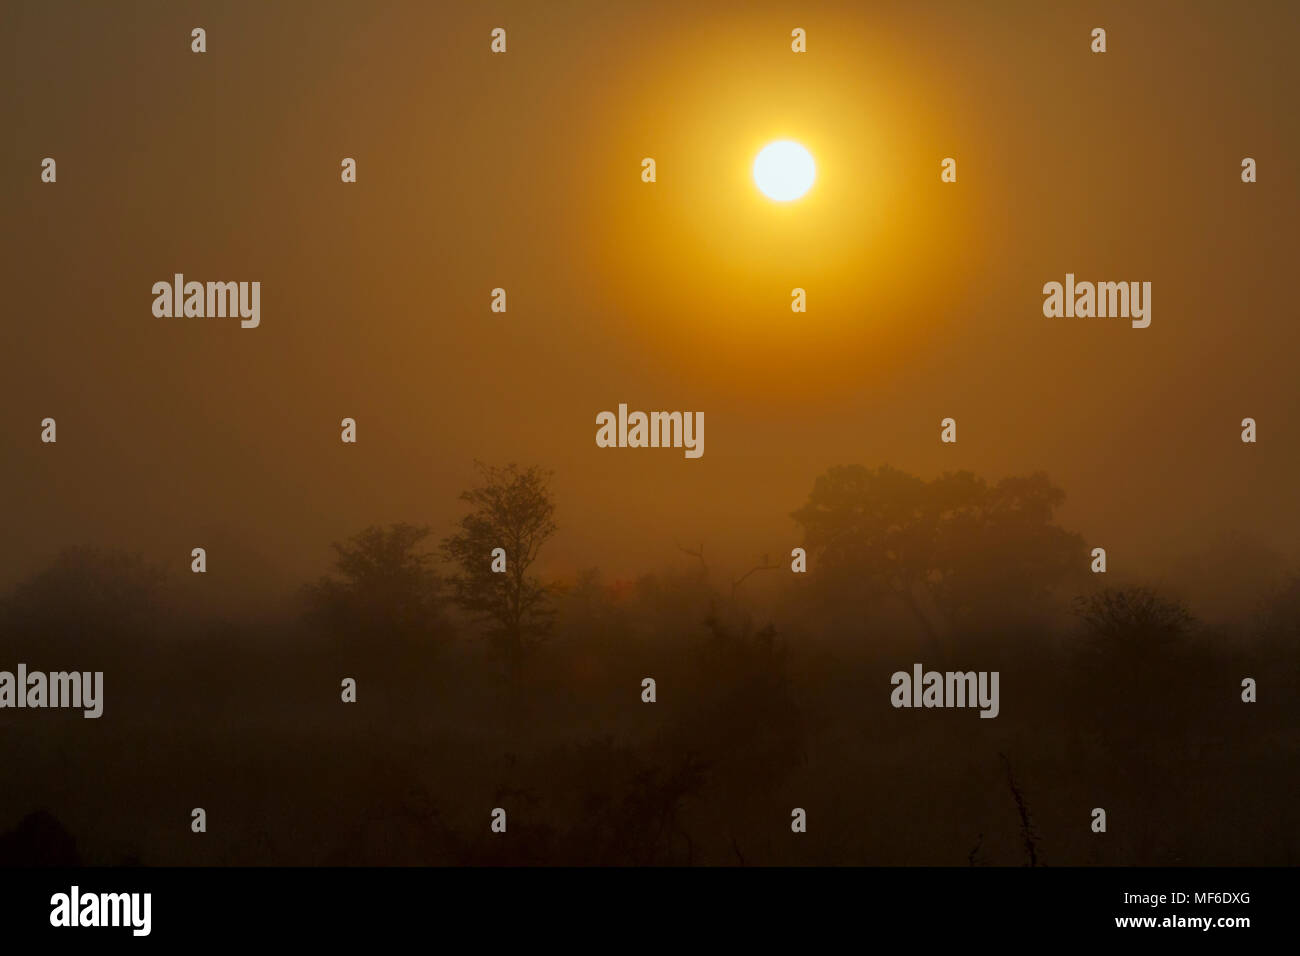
x: 1131, y: 622
x: 386, y: 589
x: 513, y: 510
x: 118, y: 594
x: 1129, y: 634
x: 952, y: 550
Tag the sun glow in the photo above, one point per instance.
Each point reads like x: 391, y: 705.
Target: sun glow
x: 784, y: 170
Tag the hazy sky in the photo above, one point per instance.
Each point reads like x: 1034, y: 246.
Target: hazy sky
x: 523, y: 171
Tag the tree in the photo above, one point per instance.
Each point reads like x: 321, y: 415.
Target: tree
x: 386, y: 588
x: 954, y: 549
x: 1133, y: 639
x: 1132, y: 622
x: 512, y: 510
x: 110, y: 593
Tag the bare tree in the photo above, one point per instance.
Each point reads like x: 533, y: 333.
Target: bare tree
x: 697, y: 553
x: 763, y: 565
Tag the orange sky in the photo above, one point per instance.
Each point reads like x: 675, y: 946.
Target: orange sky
x: 523, y: 171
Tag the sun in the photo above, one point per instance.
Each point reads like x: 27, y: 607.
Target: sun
x: 784, y: 170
